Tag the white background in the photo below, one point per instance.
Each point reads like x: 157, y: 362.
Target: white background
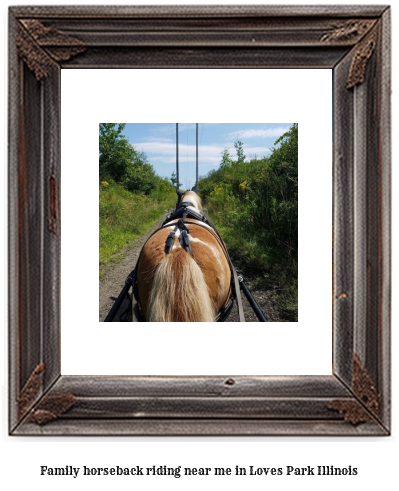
x: 91, y: 347
x: 375, y: 458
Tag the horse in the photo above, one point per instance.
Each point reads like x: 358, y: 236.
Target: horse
x: 184, y: 273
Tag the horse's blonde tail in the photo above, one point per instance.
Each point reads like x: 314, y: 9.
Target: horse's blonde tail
x: 179, y: 292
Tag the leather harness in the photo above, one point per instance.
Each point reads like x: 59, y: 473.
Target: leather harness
x: 181, y: 214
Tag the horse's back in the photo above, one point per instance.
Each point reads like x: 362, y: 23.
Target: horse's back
x: 206, y: 251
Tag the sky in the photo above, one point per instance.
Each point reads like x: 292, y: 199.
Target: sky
x: 158, y: 142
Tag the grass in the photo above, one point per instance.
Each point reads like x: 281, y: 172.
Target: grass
x: 248, y: 250
x: 124, y: 217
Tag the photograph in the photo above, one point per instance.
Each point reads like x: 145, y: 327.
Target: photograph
x: 167, y: 190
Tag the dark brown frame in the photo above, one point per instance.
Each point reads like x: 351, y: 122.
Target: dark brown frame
x: 353, y: 41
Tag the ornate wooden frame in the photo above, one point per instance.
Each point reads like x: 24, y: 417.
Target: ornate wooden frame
x: 353, y: 41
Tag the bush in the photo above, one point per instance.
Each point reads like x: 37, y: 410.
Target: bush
x: 255, y: 206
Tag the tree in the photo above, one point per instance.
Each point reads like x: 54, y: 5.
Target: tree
x: 281, y: 192
x: 239, y: 146
x: 116, y: 153
x: 288, y: 150
x: 173, y: 180
x: 120, y: 161
x: 226, y: 159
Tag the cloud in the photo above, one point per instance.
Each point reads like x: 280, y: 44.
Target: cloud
x: 261, y: 133
x: 153, y: 139
x: 163, y: 152
x: 157, y: 149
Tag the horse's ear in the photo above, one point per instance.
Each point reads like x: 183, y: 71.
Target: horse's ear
x: 179, y: 194
x: 195, y: 189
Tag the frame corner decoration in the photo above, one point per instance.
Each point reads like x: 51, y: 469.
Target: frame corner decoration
x: 353, y: 42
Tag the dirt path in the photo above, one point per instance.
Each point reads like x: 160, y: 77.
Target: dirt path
x: 116, y: 274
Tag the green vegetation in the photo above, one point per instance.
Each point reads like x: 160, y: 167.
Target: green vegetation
x: 255, y: 207
x: 120, y: 161
x: 132, y: 196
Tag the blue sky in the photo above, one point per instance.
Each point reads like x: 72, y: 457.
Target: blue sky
x: 158, y: 142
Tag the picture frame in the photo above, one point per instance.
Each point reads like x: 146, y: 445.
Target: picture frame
x: 352, y: 41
